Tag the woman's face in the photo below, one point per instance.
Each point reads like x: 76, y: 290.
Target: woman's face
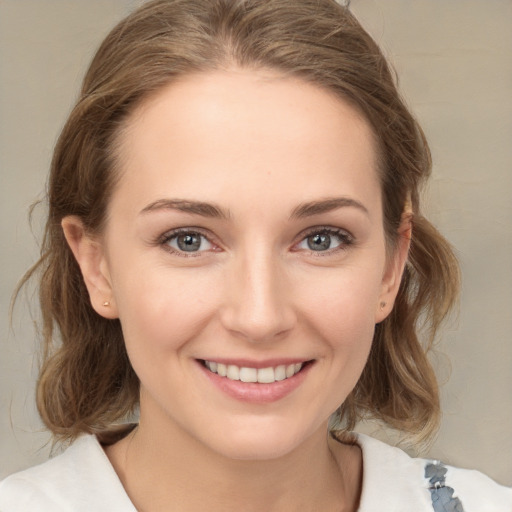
x: 245, y: 236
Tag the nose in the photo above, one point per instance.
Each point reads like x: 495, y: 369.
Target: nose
x: 258, y: 306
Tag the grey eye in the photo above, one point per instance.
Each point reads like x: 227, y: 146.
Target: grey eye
x: 325, y: 240
x: 190, y: 242
x: 319, y: 242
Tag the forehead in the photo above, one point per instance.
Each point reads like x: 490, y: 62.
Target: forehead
x: 262, y: 135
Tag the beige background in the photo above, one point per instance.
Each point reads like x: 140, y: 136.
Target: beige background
x: 454, y: 60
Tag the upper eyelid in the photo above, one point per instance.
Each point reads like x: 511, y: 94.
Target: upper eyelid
x: 324, y: 229
x: 171, y: 233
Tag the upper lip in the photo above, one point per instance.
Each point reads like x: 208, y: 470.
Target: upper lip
x: 250, y: 363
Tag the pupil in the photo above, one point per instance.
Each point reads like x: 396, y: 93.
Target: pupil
x: 319, y: 242
x: 189, y: 243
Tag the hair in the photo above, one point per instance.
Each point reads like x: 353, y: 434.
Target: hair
x: 86, y: 382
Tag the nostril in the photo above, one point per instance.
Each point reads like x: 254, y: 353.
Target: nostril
x: 258, y: 326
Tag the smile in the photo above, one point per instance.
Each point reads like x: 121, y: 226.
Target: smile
x: 247, y: 374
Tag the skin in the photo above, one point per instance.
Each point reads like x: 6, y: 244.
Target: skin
x: 257, y: 146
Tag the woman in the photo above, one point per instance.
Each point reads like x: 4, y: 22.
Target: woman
x: 235, y: 247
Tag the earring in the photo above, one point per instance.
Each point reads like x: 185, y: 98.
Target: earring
x: 383, y: 305
x: 106, y: 303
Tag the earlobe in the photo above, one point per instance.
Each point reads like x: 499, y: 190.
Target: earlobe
x: 90, y: 256
x: 394, y: 271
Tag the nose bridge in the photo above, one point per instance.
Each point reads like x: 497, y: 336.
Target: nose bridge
x: 258, y: 306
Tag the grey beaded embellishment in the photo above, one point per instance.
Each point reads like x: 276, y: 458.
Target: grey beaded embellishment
x: 441, y: 494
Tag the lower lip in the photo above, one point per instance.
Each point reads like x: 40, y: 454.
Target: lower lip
x: 253, y: 392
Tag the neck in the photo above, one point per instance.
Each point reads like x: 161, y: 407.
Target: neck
x: 172, y: 471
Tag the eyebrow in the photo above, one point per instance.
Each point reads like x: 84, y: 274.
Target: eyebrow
x: 326, y: 205
x: 210, y: 210
x: 187, y: 206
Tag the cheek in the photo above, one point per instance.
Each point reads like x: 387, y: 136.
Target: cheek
x: 344, y: 302
x: 160, y: 310
x: 341, y: 316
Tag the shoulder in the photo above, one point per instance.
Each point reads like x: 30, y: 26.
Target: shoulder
x: 392, y: 480
x: 81, y: 479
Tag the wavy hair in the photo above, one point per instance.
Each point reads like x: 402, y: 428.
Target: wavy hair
x: 86, y: 382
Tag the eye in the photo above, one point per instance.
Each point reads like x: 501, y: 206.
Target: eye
x: 325, y: 240
x: 188, y: 241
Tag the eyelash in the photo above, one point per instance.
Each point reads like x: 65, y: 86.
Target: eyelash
x: 346, y: 240
x: 166, y: 238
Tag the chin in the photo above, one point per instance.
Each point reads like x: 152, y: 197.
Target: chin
x: 256, y: 450
x: 261, y: 442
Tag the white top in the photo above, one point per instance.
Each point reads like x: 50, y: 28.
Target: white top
x: 83, y: 480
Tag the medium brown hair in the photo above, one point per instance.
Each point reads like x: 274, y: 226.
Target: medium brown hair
x: 86, y: 382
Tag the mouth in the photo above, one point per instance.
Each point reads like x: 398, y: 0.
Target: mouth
x: 248, y: 374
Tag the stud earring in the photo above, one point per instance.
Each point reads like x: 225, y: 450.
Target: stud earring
x: 383, y: 305
x: 106, y: 303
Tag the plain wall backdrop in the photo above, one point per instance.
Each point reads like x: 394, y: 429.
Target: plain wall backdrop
x: 454, y: 62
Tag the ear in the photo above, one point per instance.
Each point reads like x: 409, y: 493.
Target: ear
x: 90, y: 255
x: 394, y: 270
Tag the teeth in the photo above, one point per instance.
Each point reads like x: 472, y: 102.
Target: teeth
x: 266, y: 375
x: 261, y: 375
x: 248, y: 375
x: 280, y: 372
x: 233, y: 372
